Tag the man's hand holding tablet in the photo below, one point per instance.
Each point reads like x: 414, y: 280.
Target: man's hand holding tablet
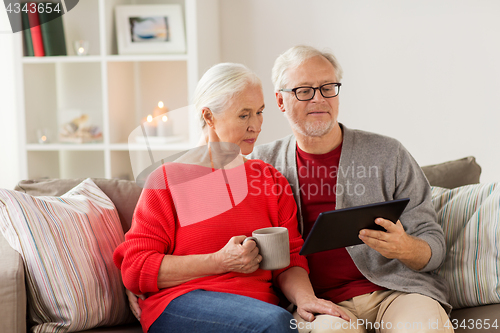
x: 395, y: 243
x: 342, y: 228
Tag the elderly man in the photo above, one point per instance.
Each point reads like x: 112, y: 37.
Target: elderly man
x: 386, y: 283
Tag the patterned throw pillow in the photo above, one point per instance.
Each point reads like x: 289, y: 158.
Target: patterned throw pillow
x: 470, y: 218
x: 67, y: 246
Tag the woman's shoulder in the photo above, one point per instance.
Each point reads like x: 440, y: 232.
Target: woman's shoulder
x: 258, y: 164
x: 172, y: 173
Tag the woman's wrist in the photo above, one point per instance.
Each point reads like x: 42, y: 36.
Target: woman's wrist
x: 304, y: 298
x: 216, y: 261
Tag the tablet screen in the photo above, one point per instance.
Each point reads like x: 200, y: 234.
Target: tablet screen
x: 340, y: 228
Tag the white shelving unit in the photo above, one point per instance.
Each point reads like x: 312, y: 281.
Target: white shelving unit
x: 115, y: 91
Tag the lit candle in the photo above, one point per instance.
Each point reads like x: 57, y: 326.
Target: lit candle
x: 81, y: 47
x: 165, y: 126
x: 150, y: 126
x: 160, y: 109
x: 42, y: 135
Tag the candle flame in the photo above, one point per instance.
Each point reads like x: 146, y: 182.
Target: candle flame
x: 81, y: 49
x: 160, y: 104
x: 149, y: 118
x: 164, y: 118
x: 44, y: 138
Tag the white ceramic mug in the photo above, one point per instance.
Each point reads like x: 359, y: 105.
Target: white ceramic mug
x: 274, y: 247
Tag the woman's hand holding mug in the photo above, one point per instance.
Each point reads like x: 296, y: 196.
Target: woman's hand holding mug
x: 239, y: 257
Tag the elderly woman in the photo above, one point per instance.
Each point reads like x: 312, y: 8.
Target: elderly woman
x: 186, y: 252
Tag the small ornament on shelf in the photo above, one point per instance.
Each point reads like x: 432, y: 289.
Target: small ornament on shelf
x: 76, y: 131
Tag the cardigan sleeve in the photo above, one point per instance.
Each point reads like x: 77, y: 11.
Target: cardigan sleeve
x: 419, y: 218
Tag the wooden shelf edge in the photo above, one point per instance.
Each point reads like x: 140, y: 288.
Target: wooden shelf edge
x: 60, y: 59
x: 65, y: 146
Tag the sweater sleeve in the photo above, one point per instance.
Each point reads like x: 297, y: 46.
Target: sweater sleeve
x: 287, y: 217
x: 419, y: 218
x: 150, y: 237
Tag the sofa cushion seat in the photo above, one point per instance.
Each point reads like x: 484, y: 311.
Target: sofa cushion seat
x: 476, y: 319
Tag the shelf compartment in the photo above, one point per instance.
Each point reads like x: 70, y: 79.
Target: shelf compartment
x: 136, y: 89
x: 56, y: 93
x: 81, y: 23
x: 65, y: 164
x: 109, y: 14
x: 120, y: 165
x: 40, y: 101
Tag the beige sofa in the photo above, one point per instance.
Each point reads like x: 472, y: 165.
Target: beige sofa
x: 125, y: 194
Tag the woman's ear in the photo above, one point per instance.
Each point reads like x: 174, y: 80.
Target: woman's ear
x: 208, y: 116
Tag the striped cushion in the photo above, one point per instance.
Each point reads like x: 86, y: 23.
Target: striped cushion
x: 470, y: 218
x: 67, y: 245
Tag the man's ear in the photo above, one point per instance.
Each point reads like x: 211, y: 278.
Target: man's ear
x: 279, y: 100
x: 208, y: 116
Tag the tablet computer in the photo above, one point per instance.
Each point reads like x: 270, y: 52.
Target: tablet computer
x: 340, y: 228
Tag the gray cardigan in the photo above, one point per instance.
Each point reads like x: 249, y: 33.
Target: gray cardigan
x: 375, y: 168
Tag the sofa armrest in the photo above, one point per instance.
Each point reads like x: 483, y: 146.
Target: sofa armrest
x: 12, y: 290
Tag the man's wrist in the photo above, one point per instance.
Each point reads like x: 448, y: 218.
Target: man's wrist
x: 419, y: 254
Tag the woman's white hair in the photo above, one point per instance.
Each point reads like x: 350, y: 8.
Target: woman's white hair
x: 295, y: 56
x: 219, y: 85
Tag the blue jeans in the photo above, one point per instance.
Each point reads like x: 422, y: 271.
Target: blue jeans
x: 208, y: 311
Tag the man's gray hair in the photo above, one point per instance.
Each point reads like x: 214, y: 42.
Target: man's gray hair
x: 295, y: 56
x: 219, y: 85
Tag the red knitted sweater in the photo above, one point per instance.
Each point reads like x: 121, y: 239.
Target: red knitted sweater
x: 214, y: 206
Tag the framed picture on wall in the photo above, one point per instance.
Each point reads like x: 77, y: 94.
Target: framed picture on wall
x: 150, y: 29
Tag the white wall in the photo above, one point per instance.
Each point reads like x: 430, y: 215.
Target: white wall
x: 9, y: 151
x: 425, y: 72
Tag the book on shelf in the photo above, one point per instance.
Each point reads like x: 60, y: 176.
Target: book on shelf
x: 43, y: 32
x: 54, y: 41
x: 27, y: 43
x: 36, y: 32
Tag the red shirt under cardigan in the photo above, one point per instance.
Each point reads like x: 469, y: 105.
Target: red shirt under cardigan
x: 334, y: 276
x: 157, y: 229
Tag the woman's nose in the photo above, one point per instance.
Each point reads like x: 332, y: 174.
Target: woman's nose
x: 255, y: 124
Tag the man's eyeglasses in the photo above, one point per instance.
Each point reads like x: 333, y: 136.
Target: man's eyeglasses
x: 328, y: 90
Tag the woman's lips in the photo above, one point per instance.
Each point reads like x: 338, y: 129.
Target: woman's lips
x: 249, y: 141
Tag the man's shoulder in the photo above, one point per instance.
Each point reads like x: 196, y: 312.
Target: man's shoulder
x: 372, y: 139
x: 267, y: 152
